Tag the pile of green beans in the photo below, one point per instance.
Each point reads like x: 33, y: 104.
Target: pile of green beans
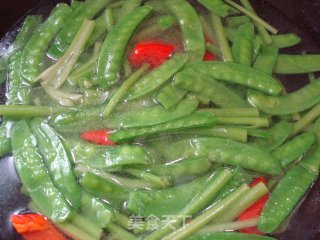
x: 185, y: 139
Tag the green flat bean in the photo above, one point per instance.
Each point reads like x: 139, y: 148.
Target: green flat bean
x: 170, y: 95
x: 56, y: 158
x: 113, y: 47
x: 278, y: 135
x: 159, y: 76
x: 113, y: 193
x: 165, y: 201
x: 239, y: 74
x: 285, y: 40
x: 155, y: 115
x: 187, y: 167
x: 5, y: 135
x: 35, y: 48
x: 225, y: 151
x: 298, y: 101
x: 96, y: 210
x: 234, y: 133
x: 293, y: 149
x: 285, y: 197
x: 128, y: 7
x: 85, y: 11
x: 34, y: 176
x: 208, y: 87
x: 266, y: 59
x: 242, y: 47
x: 229, y: 236
x: 296, y: 64
x: 96, y: 156
x: 194, y: 120
x: 216, y: 6
x: 190, y: 26
x: 236, y: 21
x: 233, y: 112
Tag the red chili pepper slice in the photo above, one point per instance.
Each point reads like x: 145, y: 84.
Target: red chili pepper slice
x: 33, y: 226
x: 100, y: 137
x: 255, y: 210
x: 152, y: 52
x: 209, y: 56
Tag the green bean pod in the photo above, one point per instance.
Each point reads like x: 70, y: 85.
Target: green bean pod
x: 230, y: 236
x: 266, y: 59
x: 190, y: 26
x: 285, y: 40
x: 85, y: 11
x: 5, y: 142
x: 298, y: 101
x: 128, y: 7
x: 194, y: 120
x: 113, y: 48
x: 34, y: 176
x: 96, y: 210
x: 237, y: 21
x: 225, y: 151
x: 295, y: 64
x: 278, y: 135
x: 170, y: 95
x: 208, y: 87
x: 35, y: 48
x: 107, y: 190
x: 164, y: 201
x: 96, y: 156
x: 155, y: 115
x: 239, y: 74
x: 187, y: 167
x: 293, y: 149
x: 242, y: 47
x: 159, y: 76
x: 57, y: 161
x: 285, y: 197
x: 219, y: 7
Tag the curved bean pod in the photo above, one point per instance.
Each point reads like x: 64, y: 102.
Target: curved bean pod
x: 169, y: 96
x: 284, y: 198
x: 101, y: 188
x: 194, y: 120
x: 225, y: 151
x: 190, y: 26
x: 34, y: 176
x: 57, y: 161
x: 208, y: 87
x: 239, y: 74
x: 155, y: 115
x: 291, y: 64
x: 242, y: 47
x: 294, y: 148
x: 266, y: 59
x: 219, y: 7
x: 35, y: 48
x: 279, y: 133
x: 85, y: 11
x: 285, y: 40
x: 109, y: 62
x: 159, y: 76
x: 298, y: 101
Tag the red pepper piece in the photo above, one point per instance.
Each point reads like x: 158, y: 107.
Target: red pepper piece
x: 255, y: 210
x: 33, y: 226
x: 209, y: 56
x: 100, y: 137
x: 153, y: 53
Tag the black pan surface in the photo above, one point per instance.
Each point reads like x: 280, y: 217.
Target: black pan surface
x: 301, y: 17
